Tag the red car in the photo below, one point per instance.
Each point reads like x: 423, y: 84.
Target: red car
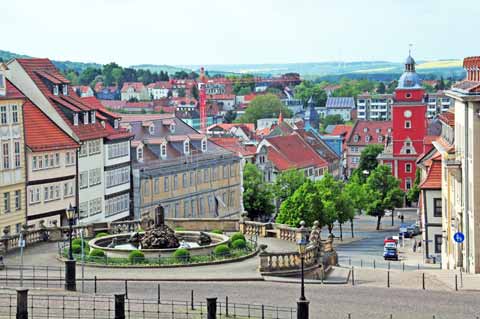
x: 390, y: 240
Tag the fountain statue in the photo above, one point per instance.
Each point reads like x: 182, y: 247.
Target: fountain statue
x: 314, y: 238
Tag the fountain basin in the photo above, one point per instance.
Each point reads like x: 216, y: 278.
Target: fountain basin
x: 122, y: 248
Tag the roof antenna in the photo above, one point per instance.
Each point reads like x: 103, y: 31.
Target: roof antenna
x: 410, y: 49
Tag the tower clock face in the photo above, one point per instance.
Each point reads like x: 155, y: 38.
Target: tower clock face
x: 407, y: 113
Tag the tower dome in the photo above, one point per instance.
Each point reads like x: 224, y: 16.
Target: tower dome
x: 409, y: 78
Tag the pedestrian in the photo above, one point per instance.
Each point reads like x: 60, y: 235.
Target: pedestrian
x: 401, y: 218
x: 414, y: 245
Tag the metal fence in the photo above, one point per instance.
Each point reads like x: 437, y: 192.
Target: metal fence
x: 32, y: 276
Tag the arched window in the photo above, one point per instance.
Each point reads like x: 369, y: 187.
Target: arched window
x: 140, y: 153
x: 186, y: 147
x: 204, y: 145
x: 163, y: 150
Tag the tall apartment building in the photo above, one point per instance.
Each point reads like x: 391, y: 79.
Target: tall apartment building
x: 12, y: 165
x: 378, y: 107
x: 181, y: 171
x: 90, y: 125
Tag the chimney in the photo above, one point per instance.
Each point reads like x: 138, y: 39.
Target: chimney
x: 472, y: 67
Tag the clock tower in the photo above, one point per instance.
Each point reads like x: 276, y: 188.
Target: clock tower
x: 409, y: 124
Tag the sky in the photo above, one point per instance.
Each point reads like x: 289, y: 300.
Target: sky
x: 185, y: 32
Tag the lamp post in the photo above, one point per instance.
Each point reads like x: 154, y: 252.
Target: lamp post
x: 70, y: 264
x: 302, y: 303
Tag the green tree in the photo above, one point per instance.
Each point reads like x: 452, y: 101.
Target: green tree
x: 286, y: 183
x: 308, y: 89
x: 392, y: 86
x: 345, y: 211
x: 305, y: 204
x: 230, y: 116
x: 414, y: 192
x: 72, y: 76
x: 117, y: 75
x: 244, y: 90
x: 257, y: 195
x: 368, y: 159
x: 331, y: 120
x: 88, y: 76
x: 383, y: 192
x: 381, y: 88
x: 330, y: 191
x: 356, y: 192
x: 264, y: 106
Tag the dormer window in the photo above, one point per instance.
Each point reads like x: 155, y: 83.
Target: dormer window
x: 75, y: 119
x: 65, y: 89
x: 172, y: 128
x: 377, y: 130
x: 151, y: 129
x: 204, y: 145
x: 380, y: 138
x: 94, y: 117
x: 163, y: 150
x: 115, y: 123
x: 2, y: 85
x: 186, y: 147
x: 85, y: 118
x: 356, y: 138
x: 365, y: 129
x: 140, y: 153
x: 367, y: 138
x: 389, y: 130
x: 55, y: 90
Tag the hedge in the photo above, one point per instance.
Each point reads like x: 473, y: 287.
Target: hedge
x: 136, y: 256
x: 97, y: 253
x: 221, y: 250
x: 239, y: 244
x: 237, y: 236
x: 100, y: 235
x: 182, y: 254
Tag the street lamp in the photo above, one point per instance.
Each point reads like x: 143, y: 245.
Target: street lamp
x: 70, y: 267
x: 302, y: 303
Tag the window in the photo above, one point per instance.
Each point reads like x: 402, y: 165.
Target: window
x: 408, y: 183
x: 177, y: 210
x: 85, y: 118
x: 377, y: 130
x: 93, y: 116
x: 438, y: 244
x: 380, y: 138
x: 68, y: 189
x: 95, y: 177
x: 206, y: 176
x: 34, y: 195
x: 3, y: 115
x: 115, y: 124
x: 365, y: 129
x: 175, y: 182
x: 140, y: 153
x: 75, y: 119
x: 186, y: 147
x: 408, y: 95
x: 55, y: 90
x: 437, y: 207
x: 204, y: 145
x: 367, y: 138
x: 231, y: 198
x: 14, y: 114
x: 408, y: 124
x: 6, y: 202
x: 232, y: 170
x: 172, y: 128
x: 192, y: 178
x: 83, y: 209
x: 69, y: 158
x: 117, y: 205
x: 165, y: 184
x: 83, y: 181
x: 57, y: 159
x: 151, y: 129
x: 163, y: 150
x: 95, y: 206
x: 17, y: 154
x: 186, y: 208
x: 408, y: 168
x: 65, y: 89
x: 118, y: 150
x: 356, y: 138
x: 117, y: 176
x: 83, y: 150
x: 94, y: 147
x: 355, y: 160
x: 6, y: 155
x: 18, y: 200
x: 2, y: 84
x: 184, y: 180
x: 146, y: 188
x: 194, y: 207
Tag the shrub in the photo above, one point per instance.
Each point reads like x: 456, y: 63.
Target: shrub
x: 136, y: 256
x: 221, y: 250
x: 239, y: 244
x: 78, y: 241
x: 237, y: 236
x: 76, y: 249
x: 181, y: 254
x: 217, y: 231
x: 97, y: 253
x: 179, y: 228
x: 100, y: 235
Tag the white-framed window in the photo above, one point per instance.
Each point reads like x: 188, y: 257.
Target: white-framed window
x: 14, y: 114
x: 356, y: 138
x: 6, y: 202
x: 3, y: 115
x: 94, y: 177
x: 34, y: 195
x: 116, y: 123
x: 232, y: 170
x: 118, y: 150
x: 93, y: 117
x: 6, y: 155
x: 69, y: 158
x: 166, y: 184
x: 55, y: 90
x: 95, y: 206
x: 380, y: 138
x: 83, y: 209
x: 156, y: 185
x: 83, y: 180
x: 172, y: 128
x: 65, y: 89
x: 18, y: 200
x: 192, y: 178
x: 408, y: 167
x: 355, y: 159
x: 2, y: 84
x: 151, y: 129
x: 68, y: 189
x: 117, y: 205
x: 51, y: 192
x: 163, y: 150
x: 206, y: 175
x: 365, y: 129
x: 85, y: 118
x: 408, y: 124
x: 75, y: 119
x: 184, y: 180
x: 204, y: 145
x: 17, y: 154
x: 83, y: 150
x: 186, y: 147
x: 118, y: 176
x: 367, y: 138
x: 408, y: 183
x: 94, y: 147
x: 140, y: 153
x: 175, y: 182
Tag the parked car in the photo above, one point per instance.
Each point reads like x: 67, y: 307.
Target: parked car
x: 390, y: 252
x: 393, y: 239
x: 414, y: 229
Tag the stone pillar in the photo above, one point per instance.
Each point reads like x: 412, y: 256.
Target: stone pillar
x: 263, y: 258
x: 56, y: 233
x: 5, y: 239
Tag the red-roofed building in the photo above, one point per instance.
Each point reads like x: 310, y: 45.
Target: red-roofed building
x: 362, y: 134
x: 280, y: 153
x: 243, y: 131
x: 134, y: 91
x: 160, y: 89
x: 234, y: 145
x: 84, y: 91
x: 430, y: 203
x: 104, y: 155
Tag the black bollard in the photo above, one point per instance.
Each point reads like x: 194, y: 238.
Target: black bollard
x: 423, y: 281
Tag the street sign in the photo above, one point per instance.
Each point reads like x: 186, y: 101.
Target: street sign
x: 403, y: 228
x: 21, y: 243
x: 459, y: 237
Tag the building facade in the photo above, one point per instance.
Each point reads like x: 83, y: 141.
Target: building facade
x: 12, y: 164
x: 135, y: 91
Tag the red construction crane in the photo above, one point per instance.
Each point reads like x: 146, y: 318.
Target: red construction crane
x: 203, y: 100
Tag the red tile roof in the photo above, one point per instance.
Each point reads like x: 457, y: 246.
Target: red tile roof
x: 292, y: 151
x: 137, y: 86
x: 41, y: 134
x: 371, y: 130
x: 221, y: 96
x: 234, y: 145
x: 448, y: 118
x: 434, y: 175
x: 11, y: 92
x: 250, y: 127
x: 342, y: 129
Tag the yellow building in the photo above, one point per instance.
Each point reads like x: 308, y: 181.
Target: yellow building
x: 178, y: 169
x: 12, y: 165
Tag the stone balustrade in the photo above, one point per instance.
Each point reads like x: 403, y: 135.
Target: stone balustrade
x: 254, y: 228
x: 288, y: 261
